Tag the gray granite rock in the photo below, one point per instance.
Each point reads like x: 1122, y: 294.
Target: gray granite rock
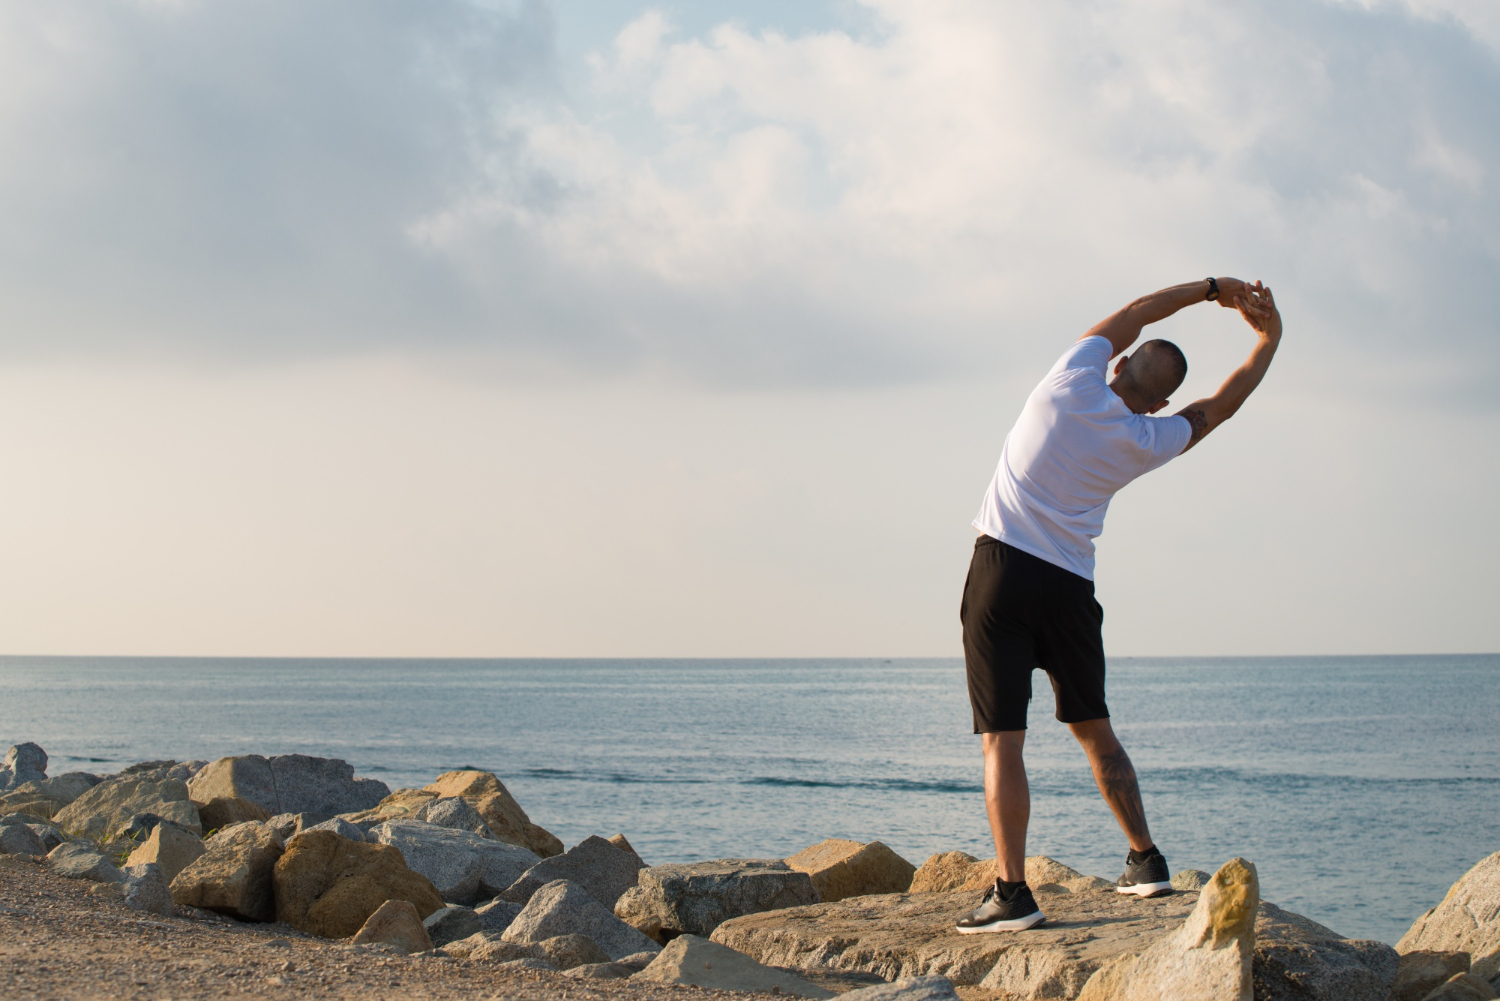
x: 20, y: 839
x: 24, y: 763
x: 1467, y: 919
x: 146, y: 889
x: 68, y: 786
x: 465, y: 868
x: 496, y: 915
x: 81, y: 860
x: 112, y: 804
x: 602, y: 869
x: 50, y: 836
x: 341, y: 827
x: 450, y: 924
x: 454, y: 812
x: 568, y: 951
x: 288, y: 783
x: 1190, y: 879
x: 929, y: 988
x: 698, y: 962
x: 695, y: 898
x: 564, y: 908
x: 1297, y: 958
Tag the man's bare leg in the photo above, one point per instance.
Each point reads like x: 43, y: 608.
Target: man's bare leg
x: 1115, y: 776
x: 1007, y: 799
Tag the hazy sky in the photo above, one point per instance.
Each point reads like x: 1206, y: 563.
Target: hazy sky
x: 596, y: 328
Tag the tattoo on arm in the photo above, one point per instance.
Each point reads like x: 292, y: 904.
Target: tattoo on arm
x: 1199, y: 421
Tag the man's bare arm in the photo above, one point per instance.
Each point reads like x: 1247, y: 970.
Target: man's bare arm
x: 1259, y: 309
x: 1122, y: 328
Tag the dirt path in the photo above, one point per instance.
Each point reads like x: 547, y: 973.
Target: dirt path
x: 62, y: 938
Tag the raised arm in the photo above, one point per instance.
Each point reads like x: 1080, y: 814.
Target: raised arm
x: 1259, y: 309
x: 1124, y: 327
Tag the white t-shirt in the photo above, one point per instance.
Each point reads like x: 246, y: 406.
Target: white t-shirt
x: 1073, y: 446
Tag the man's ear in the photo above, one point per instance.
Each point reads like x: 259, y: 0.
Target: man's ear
x: 1158, y: 406
x: 1120, y: 365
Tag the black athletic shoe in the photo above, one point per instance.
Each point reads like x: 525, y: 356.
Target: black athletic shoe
x: 996, y: 913
x: 1145, y: 877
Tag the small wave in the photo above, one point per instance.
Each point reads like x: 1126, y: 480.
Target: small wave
x: 774, y: 781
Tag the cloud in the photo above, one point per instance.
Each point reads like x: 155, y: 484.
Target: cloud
x: 958, y: 188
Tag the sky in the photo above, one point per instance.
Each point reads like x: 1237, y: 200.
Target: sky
x: 599, y: 328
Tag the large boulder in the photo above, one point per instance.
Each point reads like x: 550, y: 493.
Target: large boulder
x: 226, y: 811
x: 568, y: 951
x: 497, y: 915
x: 395, y: 923
x: 1467, y: 920
x: 1463, y: 987
x: 455, y: 812
x: 19, y: 839
x: 44, y: 797
x: 233, y: 875
x: 602, y: 869
x: 1421, y: 972
x: 329, y: 886
x: 146, y: 889
x: 23, y: 763
x: 288, y: 783
x: 1207, y: 959
x: 170, y: 848
x: 694, y: 898
x: 1297, y: 958
x: 912, y: 934
x: 564, y: 908
x: 465, y: 868
x: 507, y: 821
x: 110, y: 805
x: 840, y: 869
x: 451, y: 923
x: 699, y: 962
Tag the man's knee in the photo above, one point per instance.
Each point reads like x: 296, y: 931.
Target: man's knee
x: 1096, y: 735
x: 1003, y: 742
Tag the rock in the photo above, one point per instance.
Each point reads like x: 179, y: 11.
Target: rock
x: 500, y: 951
x: 568, y: 951
x: 137, y: 829
x: 638, y: 961
x: 464, y: 867
x: 689, y: 959
x: 461, y: 948
x: 619, y: 842
x: 81, y: 860
x: 564, y: 908
x: 694, y: 898
x: 226, y: 811
x: 288, y: 783
x: 339, y: 826
x: 50, y: 836
x: 1297, y: 958
x: 146, y: 889
x: 396, y: 923
x: 912, y: 934
x: 951, y: 871
x: 1467, y: 920
x: 454, y: 812
x: 1463, y: 987
x: 1207, y: 959
x: 68, y: 786
x: 840, y: 869
x: 600, y: 971
x: 289, y: 825
x: 19, y: 839
x: 504, y: 816
x: 24, y: 763
x: 1190, y: 879
x: 1423, y: 971
x: 185, y: 770
x: 907, y: 989
x: 152, y: 769
x: 233, y: 876
x: 450, y: 924
x: 496, y: 915
x: 528, y: 964
x: 170, y: 848
x: 602, y: 869
x: 115, y: 802
x: 329, y: 886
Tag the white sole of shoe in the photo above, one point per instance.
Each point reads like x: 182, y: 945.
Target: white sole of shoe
x: 1014, y: 924
x: 1146, y: 889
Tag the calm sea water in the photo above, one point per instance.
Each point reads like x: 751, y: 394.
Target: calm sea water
x: 1361, y: 787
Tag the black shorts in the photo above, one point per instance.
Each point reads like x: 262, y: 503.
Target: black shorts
x: 1021, y: 612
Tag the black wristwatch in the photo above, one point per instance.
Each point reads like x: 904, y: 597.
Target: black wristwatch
x: 1213, y: 289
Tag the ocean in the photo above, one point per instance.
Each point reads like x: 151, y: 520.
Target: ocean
x: 1361, y: 787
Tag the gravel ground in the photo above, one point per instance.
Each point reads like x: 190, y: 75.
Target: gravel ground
x: 62, y: 938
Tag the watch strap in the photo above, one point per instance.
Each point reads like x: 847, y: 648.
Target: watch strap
x: 1213, y: 289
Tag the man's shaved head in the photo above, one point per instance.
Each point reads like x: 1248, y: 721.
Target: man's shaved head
x: 1155, y: 371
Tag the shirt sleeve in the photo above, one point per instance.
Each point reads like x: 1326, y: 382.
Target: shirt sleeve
x: 1089, y: 353
x: 1168, y: 437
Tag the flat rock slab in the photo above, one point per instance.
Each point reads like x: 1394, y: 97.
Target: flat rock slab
x: 911, y: 934
x: 693, y: 898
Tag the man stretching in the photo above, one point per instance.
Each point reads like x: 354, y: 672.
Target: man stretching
x: 1029, y: 600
